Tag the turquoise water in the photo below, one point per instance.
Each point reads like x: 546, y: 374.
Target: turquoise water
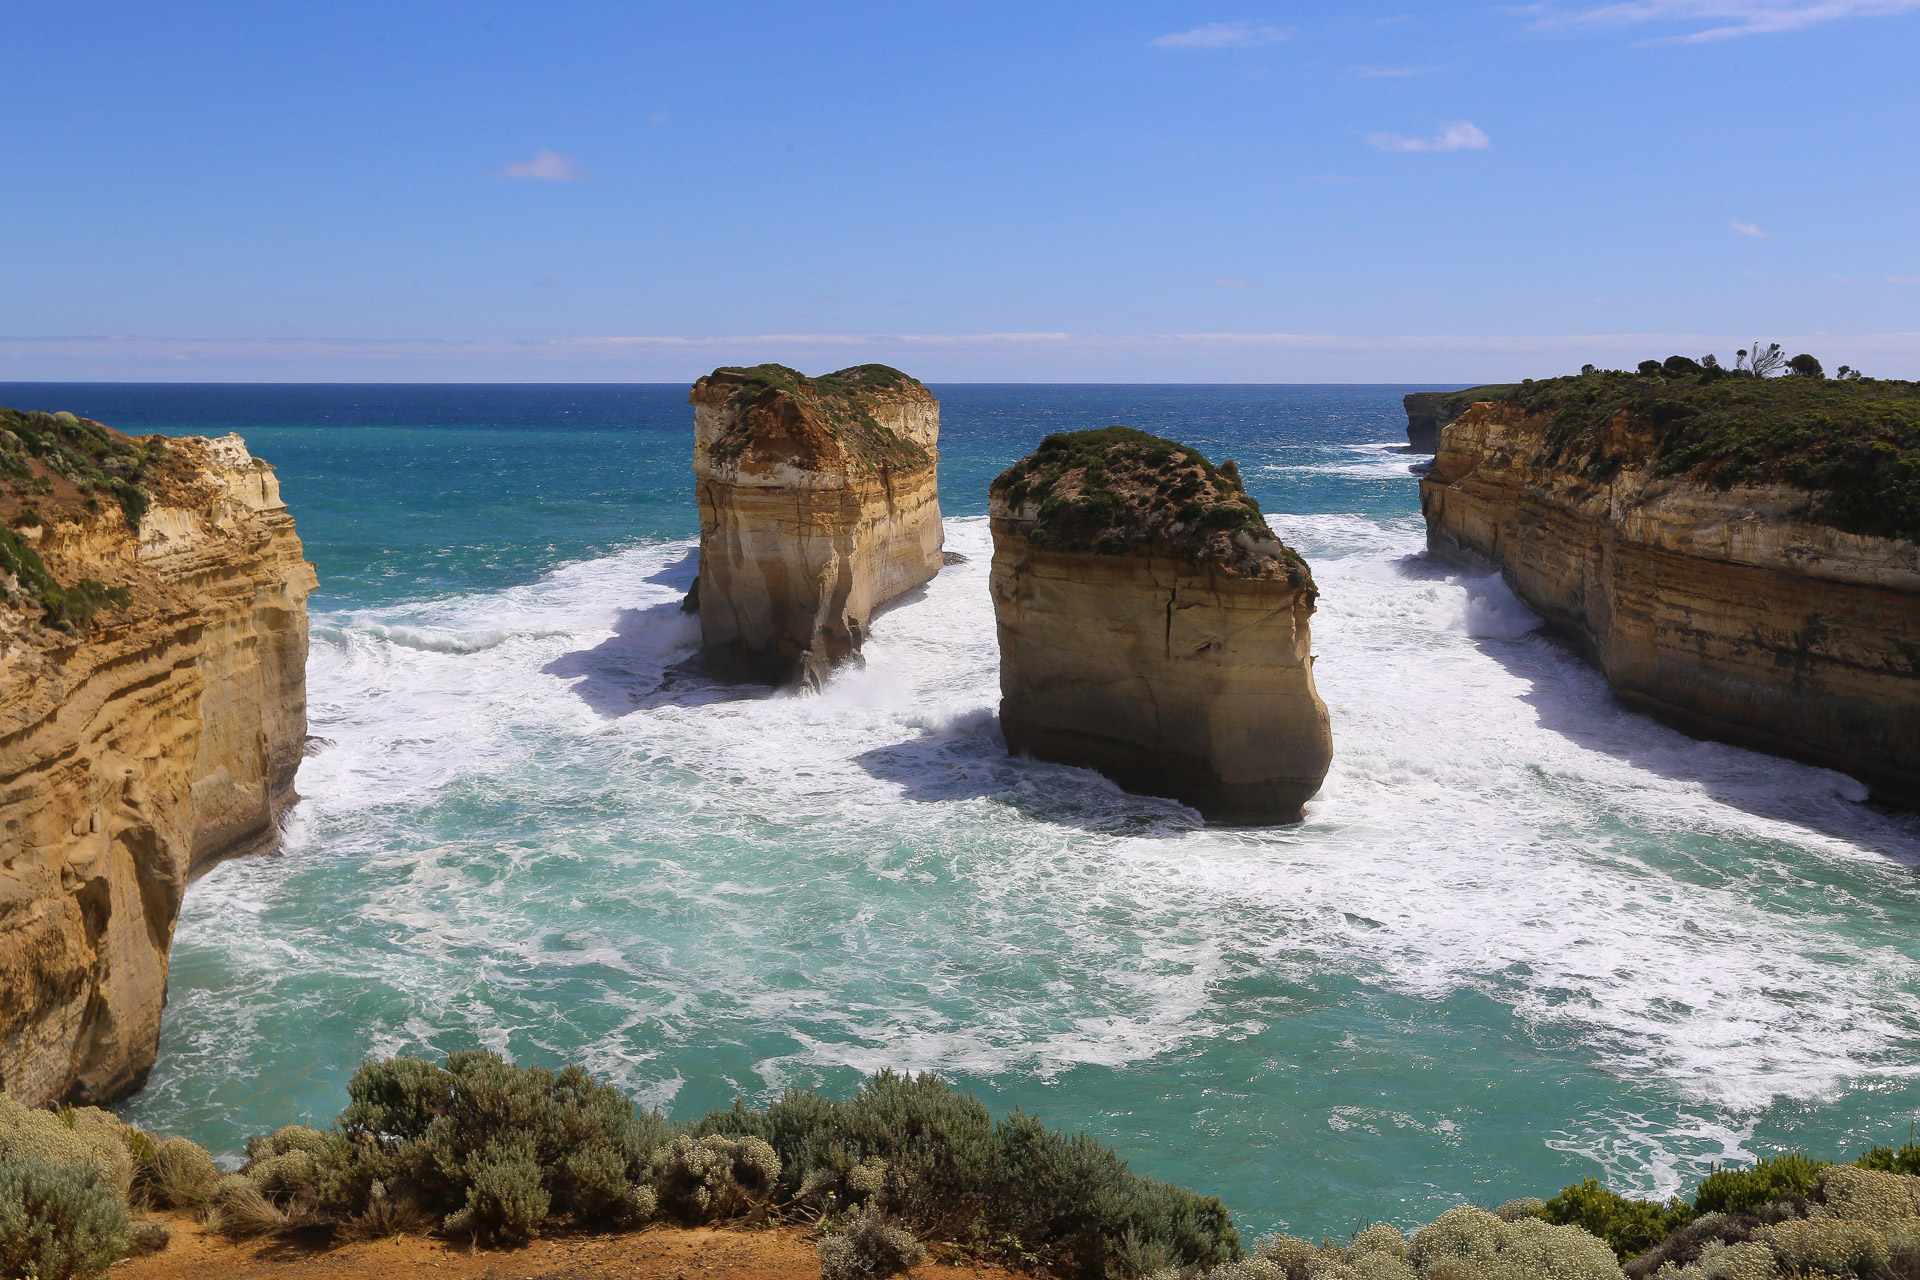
x: 1524, y: 936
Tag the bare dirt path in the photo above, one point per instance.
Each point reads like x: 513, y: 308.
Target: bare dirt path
x: 662, y: 1253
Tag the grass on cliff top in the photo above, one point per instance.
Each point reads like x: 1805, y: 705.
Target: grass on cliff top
x: 840, y: 400
x: 47, y: 459
x: 1115, y: 490
x: 1854, y: 444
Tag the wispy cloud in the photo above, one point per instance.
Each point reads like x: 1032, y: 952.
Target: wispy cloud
x: 1392, y: 73
x: 1222, y: 35
x: 1903, y: 279
x: 1458, y: 136
x: 546, y: 166
x: 1747, y: 229
x: 1725, y: 19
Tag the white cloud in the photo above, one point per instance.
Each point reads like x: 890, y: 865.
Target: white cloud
x: 547, y: 166
x: 1747, y: 229
x: 1725, y: 19
x: 1459, y: 136
x: 1222, y: 35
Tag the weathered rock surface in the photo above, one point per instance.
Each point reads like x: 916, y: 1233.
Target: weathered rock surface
x: 1732, y: 609
x: 1153, y: 628
x: 1424, y: 420
x: 137, y: 746
x: 819, y: 502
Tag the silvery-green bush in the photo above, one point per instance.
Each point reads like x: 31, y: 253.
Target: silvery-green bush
x: 868, y: 1247
x: 64, y: 1221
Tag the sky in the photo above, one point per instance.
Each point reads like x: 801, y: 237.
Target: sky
x: 1231, y: 190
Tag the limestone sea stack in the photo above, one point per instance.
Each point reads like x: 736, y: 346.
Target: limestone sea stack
x: 819, y: 502
x: 1429, y: 412
x: 1740, y: 556
x: 153, y: 647
x: 1153, y: 628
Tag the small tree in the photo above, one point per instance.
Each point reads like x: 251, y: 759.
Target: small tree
x: 1761, y: 363
x: 1805, y: 366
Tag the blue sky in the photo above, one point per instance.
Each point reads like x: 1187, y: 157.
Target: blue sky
x: 1211, y: 191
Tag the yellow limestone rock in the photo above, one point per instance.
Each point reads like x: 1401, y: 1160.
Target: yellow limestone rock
x: 819, y: 502
x: 1153, y: 628
x: 138, y: 745
x: 1729, y: 611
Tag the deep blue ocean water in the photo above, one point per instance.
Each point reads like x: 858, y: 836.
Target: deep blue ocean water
x: 1524, y: 936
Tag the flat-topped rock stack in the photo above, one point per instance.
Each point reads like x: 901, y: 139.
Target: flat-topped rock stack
x: 819, y: 502
x: 1153, y: 628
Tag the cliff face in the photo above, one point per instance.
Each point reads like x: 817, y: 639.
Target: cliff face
x: 1735, y: 608
x: 819, y: 501
x: 138, y: 745
x: 1151, y: 627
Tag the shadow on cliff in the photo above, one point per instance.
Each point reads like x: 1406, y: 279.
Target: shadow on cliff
x: 1572, y: 699
x: 966, y: 759
x: 646, y: 663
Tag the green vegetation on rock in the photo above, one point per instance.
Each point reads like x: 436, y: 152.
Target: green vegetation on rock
x: 1853, y: 444
x: 1116, y: 490
x: 93, y: 458
x: 841, y: 401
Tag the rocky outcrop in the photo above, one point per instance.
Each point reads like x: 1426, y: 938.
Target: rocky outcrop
x: 1153, y: 628
x: 1712, y: 558
x: 819, y: 502
x: 152, y: 715
x: 1424, y: 421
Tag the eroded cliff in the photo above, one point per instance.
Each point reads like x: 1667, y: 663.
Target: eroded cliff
x: 1737, y: 555
x: 1153, y: 628
x: 153, y: 645
x: 819, y: 501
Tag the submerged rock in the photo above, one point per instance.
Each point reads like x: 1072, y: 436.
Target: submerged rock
x: 152, y: 716
x: 1153, y: 628
x: 819, y: 501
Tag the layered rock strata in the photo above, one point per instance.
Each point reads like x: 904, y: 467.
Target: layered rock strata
x: 819, y: 502
x: 152, y: 716
x: 1724, y: 568
x: 1151, y: 627
x: 1424, y: 420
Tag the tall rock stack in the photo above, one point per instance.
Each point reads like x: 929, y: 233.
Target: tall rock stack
x: 1153, y: 628
x: 819, y: 501
x: 153, y: 647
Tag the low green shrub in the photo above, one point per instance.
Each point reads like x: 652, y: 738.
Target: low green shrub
x: 1629, y: 1227
x: 148, y: 1237
x: 60, y: 1221
x: 1773, y: 1178
x: 180, y: 1175
x: 868, y: 1247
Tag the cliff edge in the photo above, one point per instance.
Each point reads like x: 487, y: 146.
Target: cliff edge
x: 819, y: 501
x: 1429, y: 412
x: 153, y: 644
x: 1739, y: 556
x: 1153, y: 628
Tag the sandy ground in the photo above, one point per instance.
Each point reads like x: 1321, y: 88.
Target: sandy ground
x: 665, y: 1253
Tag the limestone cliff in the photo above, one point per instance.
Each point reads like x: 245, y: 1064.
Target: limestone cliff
x: 819, y: 501
x: 152, y: 714
x: 1153, y: 628
x: 1738, y: 556
x: 1429, y: 412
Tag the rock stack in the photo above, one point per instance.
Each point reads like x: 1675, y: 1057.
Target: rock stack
x: 1153, y: 628
x: 819, y: 501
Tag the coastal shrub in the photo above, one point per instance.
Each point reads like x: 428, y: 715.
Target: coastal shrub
x: 386, y: 1216
x: 240, y: 1212
x: 868, y: 1247
x: 1773, y: 1178
x: 60, y: 1221
x: 179, y: 1175
x: 1629, y: 1227
x: 148, y: 1237
x: 492, y: 1147
x: 1888, y: 1160
x: 1805, y: 366
x: 714, y: 1178
x: 934, y: 1160
x: 68, y: 1136
x: 1871, y: 1196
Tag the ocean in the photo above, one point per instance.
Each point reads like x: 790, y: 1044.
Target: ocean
x: 1524, y: 936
